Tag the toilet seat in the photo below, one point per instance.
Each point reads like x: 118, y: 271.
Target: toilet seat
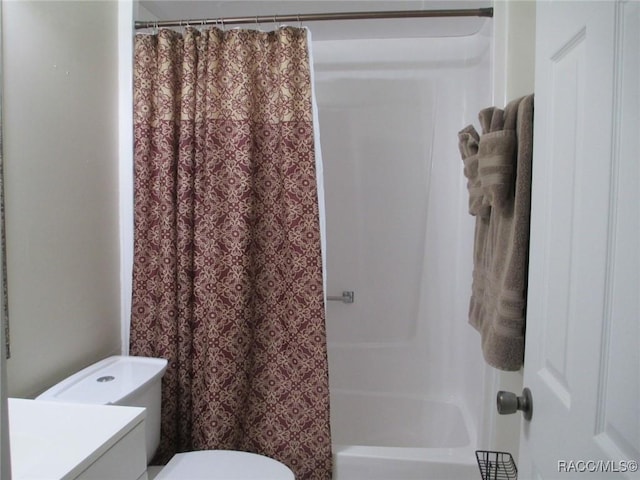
x: 223, y: 465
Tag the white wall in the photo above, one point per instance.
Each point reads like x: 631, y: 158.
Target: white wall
x: 61, y: 165
x: 513, y: 76
x: 398, y: 230
x: 128, y: 12
x: 514, y: 45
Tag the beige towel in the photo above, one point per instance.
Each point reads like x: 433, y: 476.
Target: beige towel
x: 468, y: 145
x: 498, y: 168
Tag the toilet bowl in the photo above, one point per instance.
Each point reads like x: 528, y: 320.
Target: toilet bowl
x: 135, y: 382
x: 223, y: 464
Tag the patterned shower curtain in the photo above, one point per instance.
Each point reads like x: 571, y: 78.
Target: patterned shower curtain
x: 227, y: 281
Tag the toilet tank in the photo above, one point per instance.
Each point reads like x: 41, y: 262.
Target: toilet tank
x: 118, y: 380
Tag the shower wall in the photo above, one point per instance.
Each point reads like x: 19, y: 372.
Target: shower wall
x: 398, y: 232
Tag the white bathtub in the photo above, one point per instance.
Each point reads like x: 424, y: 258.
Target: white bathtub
x: 381, y: 436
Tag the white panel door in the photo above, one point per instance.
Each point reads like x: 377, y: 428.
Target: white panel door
x: 583, y: 329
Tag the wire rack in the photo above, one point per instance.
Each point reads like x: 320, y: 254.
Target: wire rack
x: 496, y: 465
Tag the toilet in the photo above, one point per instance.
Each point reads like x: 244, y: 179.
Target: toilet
x: 135, y: 382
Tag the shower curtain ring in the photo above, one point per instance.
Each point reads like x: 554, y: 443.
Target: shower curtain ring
x: 258, y: 25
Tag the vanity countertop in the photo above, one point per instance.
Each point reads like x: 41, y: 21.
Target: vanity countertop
x: 51, y: 440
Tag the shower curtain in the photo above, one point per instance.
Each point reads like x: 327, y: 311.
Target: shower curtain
x: 228, y: 281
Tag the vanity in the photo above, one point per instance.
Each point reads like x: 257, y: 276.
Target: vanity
x: 56, y: 441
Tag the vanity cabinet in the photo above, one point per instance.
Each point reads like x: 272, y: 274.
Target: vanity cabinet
x: 60, y: 441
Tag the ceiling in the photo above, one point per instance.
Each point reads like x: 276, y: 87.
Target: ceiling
x: 363, y: 29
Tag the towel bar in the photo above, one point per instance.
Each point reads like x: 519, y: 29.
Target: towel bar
x: 346, y: 297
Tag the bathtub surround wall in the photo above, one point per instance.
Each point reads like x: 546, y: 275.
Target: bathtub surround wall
x: 61, y: 164
x: 399, y: 236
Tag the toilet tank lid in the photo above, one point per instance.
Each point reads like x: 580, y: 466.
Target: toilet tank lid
x: 107, y: 382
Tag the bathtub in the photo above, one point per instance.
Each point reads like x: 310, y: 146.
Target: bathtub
x: 400, y: 437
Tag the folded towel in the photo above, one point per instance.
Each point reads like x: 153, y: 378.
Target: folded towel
x: 496, y: 168
x: 500, y: 182
x: 468, y: 145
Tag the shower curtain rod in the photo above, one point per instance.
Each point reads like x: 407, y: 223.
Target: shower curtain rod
x: 313, y: 17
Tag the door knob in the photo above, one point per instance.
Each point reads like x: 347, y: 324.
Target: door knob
x: 510, y: 403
